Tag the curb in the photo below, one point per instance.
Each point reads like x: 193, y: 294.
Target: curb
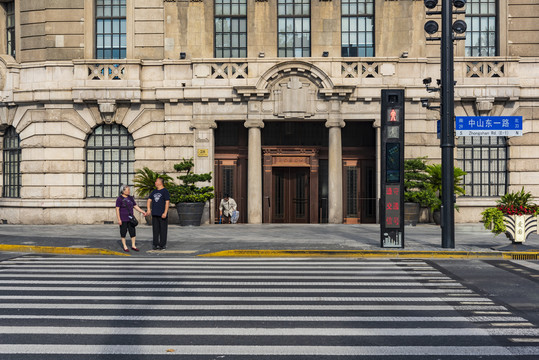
x: 59, y: 250
x: 404, y: 254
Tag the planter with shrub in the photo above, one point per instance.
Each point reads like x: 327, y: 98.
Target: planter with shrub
x: 189, y: 198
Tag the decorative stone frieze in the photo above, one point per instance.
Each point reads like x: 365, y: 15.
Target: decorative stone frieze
x: 485, y: 69
x: 229, y: 70
x: 360, y: 69
x: 294, y: 97
x: 106, y: 72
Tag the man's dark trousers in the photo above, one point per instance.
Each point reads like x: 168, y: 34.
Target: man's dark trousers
x: 160, y: 227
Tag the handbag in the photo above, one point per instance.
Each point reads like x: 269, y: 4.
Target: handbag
x: 132, y: 219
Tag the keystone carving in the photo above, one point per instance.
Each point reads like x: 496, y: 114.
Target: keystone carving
x: 107, y: 110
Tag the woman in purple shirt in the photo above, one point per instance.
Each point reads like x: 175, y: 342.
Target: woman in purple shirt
x: 125, y: 204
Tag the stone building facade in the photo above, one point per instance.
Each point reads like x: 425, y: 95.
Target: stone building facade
x: 280, y: 99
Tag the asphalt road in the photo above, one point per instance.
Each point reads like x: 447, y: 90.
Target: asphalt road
x: 82, y: 308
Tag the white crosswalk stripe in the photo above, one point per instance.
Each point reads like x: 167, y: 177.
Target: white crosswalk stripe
x: 90, y: 307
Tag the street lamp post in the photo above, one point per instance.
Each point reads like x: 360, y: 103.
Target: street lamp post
x: 447, y: 94
x: 447, y: 127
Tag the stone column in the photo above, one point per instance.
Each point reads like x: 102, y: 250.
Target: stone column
x: 254, y: 175
x: 335, y: 191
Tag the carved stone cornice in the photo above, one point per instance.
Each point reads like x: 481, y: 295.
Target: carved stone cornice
x: 251, y: 92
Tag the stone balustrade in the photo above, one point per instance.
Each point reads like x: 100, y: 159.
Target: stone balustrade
x: 132, y: 80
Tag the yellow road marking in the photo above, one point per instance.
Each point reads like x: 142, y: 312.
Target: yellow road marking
x: 407, y: 254
x: 59, y: 250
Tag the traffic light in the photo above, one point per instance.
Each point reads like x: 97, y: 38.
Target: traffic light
x: 459, y: 26
x: 431, y: 27
x: 392, y: 169
x: 431, y: 4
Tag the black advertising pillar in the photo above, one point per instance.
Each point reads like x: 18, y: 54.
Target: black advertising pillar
x: 392, y: 191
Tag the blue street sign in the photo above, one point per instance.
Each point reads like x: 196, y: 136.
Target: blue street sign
x: 488, y: 125
x: 438, y: 128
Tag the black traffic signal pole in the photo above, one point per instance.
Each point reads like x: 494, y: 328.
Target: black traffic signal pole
x: 448, y: 127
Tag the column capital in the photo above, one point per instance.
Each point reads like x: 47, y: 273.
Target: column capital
x: 330, y: 123
x: 203, y: 125
x: 254, y: 124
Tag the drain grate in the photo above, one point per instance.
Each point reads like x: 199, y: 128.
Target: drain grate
x: 524, y: 256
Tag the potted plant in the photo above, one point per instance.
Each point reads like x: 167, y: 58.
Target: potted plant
x: 188, y: 197
x: 416, y: 192
x: 435, y: 184
x: 144, y: 181
x: 514, y: 214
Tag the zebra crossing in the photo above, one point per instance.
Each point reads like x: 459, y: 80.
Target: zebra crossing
x: 196, y: 308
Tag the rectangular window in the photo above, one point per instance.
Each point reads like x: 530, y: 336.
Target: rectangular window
x: 10, y: 28
x: 481, y: 28
x: 294, y: 28
x: 357, y: 28
x: 230, y: 28
x: 111, y: 40
x: 485, y: 161
x: 352, y: 191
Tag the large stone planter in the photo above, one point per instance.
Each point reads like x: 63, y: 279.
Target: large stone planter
x: 411, y: 213
x: 437, y: 216
x: 190, y: 214
x: 519, y: 227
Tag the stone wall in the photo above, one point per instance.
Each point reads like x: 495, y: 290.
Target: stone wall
x: 55, y: 93
x: 522, y: 39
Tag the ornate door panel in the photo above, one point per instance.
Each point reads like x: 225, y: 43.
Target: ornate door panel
x: 291, y: 195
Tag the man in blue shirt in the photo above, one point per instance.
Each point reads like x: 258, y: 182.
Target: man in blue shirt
x: 158, y: 204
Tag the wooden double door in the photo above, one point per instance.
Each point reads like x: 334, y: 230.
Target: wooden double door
x: 290, y: 195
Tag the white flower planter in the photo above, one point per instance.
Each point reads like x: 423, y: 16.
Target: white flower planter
x: 519, y: 227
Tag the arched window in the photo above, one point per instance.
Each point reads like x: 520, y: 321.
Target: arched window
x: 11, y: 168
x: 110, y: 157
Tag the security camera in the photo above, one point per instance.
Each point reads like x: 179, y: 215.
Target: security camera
x: 424, y: 102
x: 427, y: 81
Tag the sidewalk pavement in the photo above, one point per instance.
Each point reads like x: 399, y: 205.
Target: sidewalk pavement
x: 423, y: 240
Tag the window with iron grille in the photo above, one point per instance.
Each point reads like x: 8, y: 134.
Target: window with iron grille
x: 481, y: 21
x: 12, y: 164
x: 110, y: 160
x: 352, y: 193
x: 228, y: 180
x: 10, y: 28
x: 357, y: 28
x: 230, y: 28
x: 110, y: 29
x: 294, y: 28
x: 485, y: 161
